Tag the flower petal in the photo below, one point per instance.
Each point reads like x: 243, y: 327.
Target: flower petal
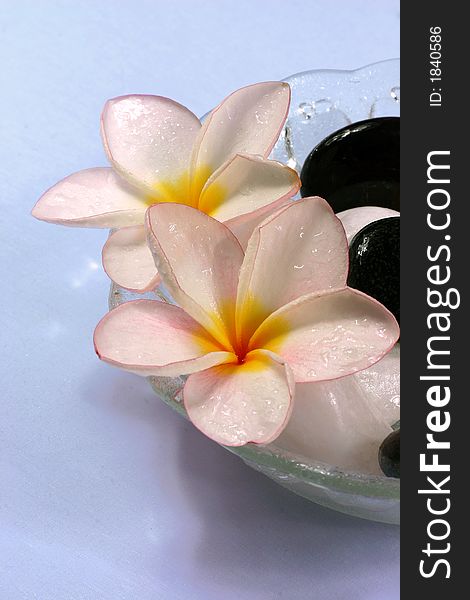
x: 149, y: 139
x: 148, y: 337
x: 244, y: 184
x: 91, y: 198
x: 128, y: 261
x: 299, y: 250
x: 243, y: 226
x: 380, y: 385
x: 332, y: 421
x: 248, y: 121
x: 199, y: 260
x: 241, y: 403
x: 354, y: 219
x: 329, y: 335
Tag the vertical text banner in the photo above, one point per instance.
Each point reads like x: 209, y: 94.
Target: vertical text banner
x: 435, y: 329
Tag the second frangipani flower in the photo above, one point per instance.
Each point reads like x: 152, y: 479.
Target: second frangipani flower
x: 249, y: 325
x: 160, y: 153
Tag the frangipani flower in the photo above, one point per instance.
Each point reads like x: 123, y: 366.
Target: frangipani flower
x: 159, y: 153
x: 248, y: 325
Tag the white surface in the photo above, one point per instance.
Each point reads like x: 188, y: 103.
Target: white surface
x: 105, y: 493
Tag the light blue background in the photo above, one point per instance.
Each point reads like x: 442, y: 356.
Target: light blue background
x: 105, y: 493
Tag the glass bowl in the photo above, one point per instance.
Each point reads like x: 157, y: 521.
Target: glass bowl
x: 322, y: 102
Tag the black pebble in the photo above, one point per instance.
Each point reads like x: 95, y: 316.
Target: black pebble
x: 358, y: 165
x: 389, y: 455
x: 374, y: 262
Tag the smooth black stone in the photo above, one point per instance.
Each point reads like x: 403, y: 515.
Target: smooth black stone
x: 389, y: 455
x: 358, y: 165
x: 374, y: 262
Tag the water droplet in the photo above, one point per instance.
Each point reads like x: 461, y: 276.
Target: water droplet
x: 307, y: 110
x: 395, y: 93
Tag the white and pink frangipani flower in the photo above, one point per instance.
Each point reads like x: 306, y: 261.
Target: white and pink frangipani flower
x: 248, y: 325
x: 159, y: 152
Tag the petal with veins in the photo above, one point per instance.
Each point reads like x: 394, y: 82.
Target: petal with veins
x: 128, y: 261
x: 148, y: 337
x: 149, y: 139
x: 199, y: 260
x: 241, y: 403
x: 243, y: 226
x: 329, y: 335
x: 245, y: 184
x: 248, y: 121
x: 299, y: 250
x: 91, y: 198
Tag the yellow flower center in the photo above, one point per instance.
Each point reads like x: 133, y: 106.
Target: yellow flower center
x: 187, y: 190
x: 247, y: 332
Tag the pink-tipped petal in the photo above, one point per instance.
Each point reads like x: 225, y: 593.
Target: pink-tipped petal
x: 242, y: 227
x: 148, y: 337
x: 248, y: 121
x: 329, y: 335
x: 128, y: 261
x: 298, y: 250
x: 199, y: 260
x: 149, y: 139
x: 241, y: 403
x: 354, y: 219
x: 245, y: 184
x: 91, y: 198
